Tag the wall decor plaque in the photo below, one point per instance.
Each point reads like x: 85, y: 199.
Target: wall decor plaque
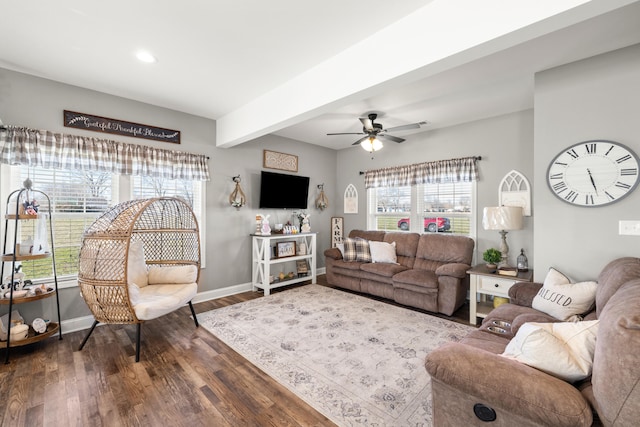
x: 337, y: 230
x: 90, y: 122
x: 282, y: 161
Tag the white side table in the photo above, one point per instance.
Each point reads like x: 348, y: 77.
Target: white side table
x: 485, y: 282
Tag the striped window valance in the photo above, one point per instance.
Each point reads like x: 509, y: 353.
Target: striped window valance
x: 42, y: 148
x: 441, y: 171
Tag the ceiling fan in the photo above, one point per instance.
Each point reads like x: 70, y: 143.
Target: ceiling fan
x: 374, y: 132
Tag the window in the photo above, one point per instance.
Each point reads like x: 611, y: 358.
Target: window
x: 145, y: 187
x: 433, y: 208
x: 77, y: 199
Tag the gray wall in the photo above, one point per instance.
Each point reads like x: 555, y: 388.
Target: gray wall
x: 505, y: 143
x: 597, y: 98
x: 38, y: 103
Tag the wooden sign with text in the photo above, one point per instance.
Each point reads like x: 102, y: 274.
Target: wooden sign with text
x: 84, y: 121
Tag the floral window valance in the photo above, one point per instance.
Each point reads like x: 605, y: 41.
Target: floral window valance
x: 42, y: 148
x: 454, y: 170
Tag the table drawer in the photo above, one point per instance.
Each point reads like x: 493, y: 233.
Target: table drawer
x: 495, y: 285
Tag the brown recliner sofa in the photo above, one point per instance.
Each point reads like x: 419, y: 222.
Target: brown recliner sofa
x: 470, y: 380
x: 431, y: 272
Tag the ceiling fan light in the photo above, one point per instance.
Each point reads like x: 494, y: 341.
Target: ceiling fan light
x: 371, y: 144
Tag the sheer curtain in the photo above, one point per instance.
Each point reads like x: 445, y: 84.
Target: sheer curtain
x: 453, y: 170
x: 42, y: 148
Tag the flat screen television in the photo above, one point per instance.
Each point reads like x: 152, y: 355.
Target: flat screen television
x: 282, y: 191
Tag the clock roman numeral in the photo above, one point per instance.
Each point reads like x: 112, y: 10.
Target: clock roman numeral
x: 623, y: 158
x: 591, y: 148
x: 560, y: 163
x: 559, y: 187
x: 608, y: 151
x: 555, y: 176
x: 573, y: 153
x: 623, y: 185
x: 609, y: 195
x: 630, y: 171
x: 588, y: 199
x: 571, y: 196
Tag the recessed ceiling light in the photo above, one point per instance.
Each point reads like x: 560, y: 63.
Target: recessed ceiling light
x: 145, y: 56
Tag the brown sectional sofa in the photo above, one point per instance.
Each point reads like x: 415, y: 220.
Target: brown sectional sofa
x: 472, y: 372
x: 430, y: 273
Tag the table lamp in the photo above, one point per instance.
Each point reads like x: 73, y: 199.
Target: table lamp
x: 505, y: 219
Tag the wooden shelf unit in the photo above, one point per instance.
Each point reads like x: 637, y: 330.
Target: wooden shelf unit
x: 10, y: 256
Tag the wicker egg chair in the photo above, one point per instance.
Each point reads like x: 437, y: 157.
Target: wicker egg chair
x: 170, y: 241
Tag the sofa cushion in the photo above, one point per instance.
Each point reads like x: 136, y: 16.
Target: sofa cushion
x: 383, y: 252
x: 564, y: 300
x: 376, y: 235
x: 406, y: 246
x: 613, y: 275
x: 416, y: 278
x: 564, y: 350
x: 383, y: 269
x: 443, y: 248
x: 616, y: 371
x: 356, y: 250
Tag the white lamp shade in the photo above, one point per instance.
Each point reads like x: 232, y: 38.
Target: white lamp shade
x: 502, y: 218
x: 371, y: 144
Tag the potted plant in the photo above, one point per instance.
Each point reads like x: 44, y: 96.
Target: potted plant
x: 492, y: 257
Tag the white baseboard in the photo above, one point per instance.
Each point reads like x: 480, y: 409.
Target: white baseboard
x: 85, y: 322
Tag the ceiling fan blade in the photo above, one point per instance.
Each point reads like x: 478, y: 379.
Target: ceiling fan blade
x: 403, y: 127
x: 390, y: 137
x: 367, y: 123
x: 347, y: 133
x: 360, y: 140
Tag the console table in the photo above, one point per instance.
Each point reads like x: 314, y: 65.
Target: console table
x: 485, y: 282
x: 265, y: 263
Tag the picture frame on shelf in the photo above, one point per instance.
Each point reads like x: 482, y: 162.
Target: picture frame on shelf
x: 302, y: 267
x: 285, y: 249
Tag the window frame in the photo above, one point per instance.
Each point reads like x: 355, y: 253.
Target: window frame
x: 416, y: 213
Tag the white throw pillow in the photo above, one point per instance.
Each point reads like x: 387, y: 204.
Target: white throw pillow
x: 136, y: 265
x: 340, y: 247
x: 383, y: 252
x: 564, y: 350
x: 562, y: 299
x: 175, y: 275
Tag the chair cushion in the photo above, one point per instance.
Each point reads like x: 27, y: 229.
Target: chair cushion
x: 157, y: 300
x: 178, y: 274
x: 136, y: 264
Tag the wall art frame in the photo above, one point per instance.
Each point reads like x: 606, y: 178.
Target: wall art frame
x: 280, y: 161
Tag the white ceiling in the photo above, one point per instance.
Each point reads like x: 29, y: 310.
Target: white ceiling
x: 218, y: 58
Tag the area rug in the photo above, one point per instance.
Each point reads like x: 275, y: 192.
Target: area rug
x: 358, y: 361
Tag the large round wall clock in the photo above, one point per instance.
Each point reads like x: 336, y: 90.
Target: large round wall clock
x: 593, y: 173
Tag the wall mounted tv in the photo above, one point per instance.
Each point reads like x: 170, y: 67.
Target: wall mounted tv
x: 281, y: 191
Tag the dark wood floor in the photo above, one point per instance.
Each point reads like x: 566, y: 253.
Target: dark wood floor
x: 185, y: 377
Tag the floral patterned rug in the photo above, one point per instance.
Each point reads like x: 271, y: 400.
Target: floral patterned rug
x: 358, y: 361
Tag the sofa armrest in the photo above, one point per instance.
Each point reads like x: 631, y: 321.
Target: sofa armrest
x: 454, y: 269
x: 508, y: 385
x: 333, y: 253
x: 522, y: 293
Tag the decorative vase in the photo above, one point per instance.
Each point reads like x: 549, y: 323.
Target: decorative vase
x: 491, y: 266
